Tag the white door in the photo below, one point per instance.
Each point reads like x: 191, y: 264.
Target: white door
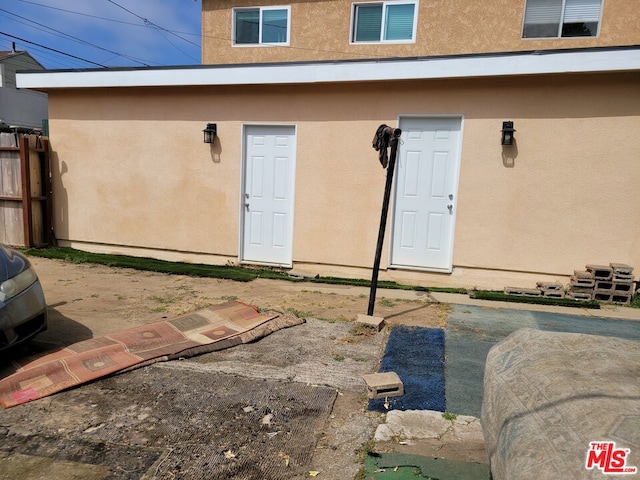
x: 426, y: 192
x: 267, y: 200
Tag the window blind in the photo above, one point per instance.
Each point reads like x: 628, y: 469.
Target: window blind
x: 274, y: 26
x: 247, y: 26
x: 368, y: 23
x: 399, y: 22
x: 582, y: 11
x: 543, y: 12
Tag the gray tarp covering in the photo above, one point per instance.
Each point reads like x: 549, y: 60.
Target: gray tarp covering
x: 548, y: 395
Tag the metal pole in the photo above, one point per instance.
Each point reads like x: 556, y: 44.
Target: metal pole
x: 395, y: 135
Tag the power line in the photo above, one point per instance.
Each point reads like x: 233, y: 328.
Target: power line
x: 146, y: 24
x: 75, y: 38
x: 40, y: 53
x: 146, y: 21
x: 159, y: 29
x: 52, y: 49
x: 82, y: 14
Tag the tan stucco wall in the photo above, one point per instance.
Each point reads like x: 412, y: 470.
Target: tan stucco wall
x: 563, y: 197
x: 320, y: 31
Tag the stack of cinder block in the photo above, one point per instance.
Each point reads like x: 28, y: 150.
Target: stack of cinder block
x: 613, y: 283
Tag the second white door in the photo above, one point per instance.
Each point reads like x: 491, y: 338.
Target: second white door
x: 426, y: 193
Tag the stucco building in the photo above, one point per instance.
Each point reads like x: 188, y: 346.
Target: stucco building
x: 297, y: 90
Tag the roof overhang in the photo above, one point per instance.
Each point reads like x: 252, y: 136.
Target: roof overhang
x: 462, y: 66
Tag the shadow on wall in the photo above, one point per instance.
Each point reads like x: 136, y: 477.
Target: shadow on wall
x: 60, y: 198
x: 509, y: 154
x: 216, y: 150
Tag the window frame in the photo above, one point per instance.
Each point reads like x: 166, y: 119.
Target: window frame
x: 561, y: 24
x: 261, y: 9
x: 384, y: 4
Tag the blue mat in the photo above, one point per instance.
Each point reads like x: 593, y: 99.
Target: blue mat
x: 416, y: 354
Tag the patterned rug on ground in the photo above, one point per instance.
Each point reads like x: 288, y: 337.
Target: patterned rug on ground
x: 416, y: 354
x: 214, y: 328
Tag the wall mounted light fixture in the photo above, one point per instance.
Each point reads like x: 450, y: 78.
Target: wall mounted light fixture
x: 507, y: 133
x: 210, y: 133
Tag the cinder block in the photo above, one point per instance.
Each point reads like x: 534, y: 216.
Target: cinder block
x: 600, y: 272
x: 550, y: 286
x: 579, y: 296
x: 371, y: 321
x: 623, y: 288
x: 582, y: 274
x: 611, y: 298
x: 604, y: 287
x: 587, y: 282
x: 576, y: 289
x: 602, y: 297
x: 522, y: 291
x: 382, y: 385
x: 622, y: 299
x: 621, y: 268
x: 553, y: 293
x: 620, y: 277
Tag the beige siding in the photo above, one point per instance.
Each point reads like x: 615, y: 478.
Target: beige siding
x: 132, y: 174
x: 320, y: 31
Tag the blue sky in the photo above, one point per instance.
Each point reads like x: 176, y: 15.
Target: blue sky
x: 64, y: 34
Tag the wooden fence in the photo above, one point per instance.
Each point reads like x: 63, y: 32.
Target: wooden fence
x: 25, y: 191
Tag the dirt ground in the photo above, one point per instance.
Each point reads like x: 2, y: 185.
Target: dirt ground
x: 114, y: 298
x: 88, y: 300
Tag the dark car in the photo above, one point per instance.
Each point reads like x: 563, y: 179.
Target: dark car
x: 23, y: 310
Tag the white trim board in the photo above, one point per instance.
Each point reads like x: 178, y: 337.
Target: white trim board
x: 528, y: 63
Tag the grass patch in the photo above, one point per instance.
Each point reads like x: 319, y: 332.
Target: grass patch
x: 230, y: 271
x: 503, y: 297
x: 227, y: 272
x: 362, y: 329
x: 229, y: 298
x: 385, y: 302
x: 298, y: 313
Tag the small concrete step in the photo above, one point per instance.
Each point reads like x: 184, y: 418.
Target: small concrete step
x: 371, y: 321
x: 383, y: 385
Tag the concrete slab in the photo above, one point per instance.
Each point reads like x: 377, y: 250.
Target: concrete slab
x: 431, y: 433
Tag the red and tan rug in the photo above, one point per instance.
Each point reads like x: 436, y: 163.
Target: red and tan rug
x: 214, y: 328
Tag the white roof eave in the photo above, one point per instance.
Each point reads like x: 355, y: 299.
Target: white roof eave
x: 544, y: 62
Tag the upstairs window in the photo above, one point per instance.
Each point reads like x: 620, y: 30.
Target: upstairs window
x: 261, y: 26
x: 561, y: 18
x: 383, y: 22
